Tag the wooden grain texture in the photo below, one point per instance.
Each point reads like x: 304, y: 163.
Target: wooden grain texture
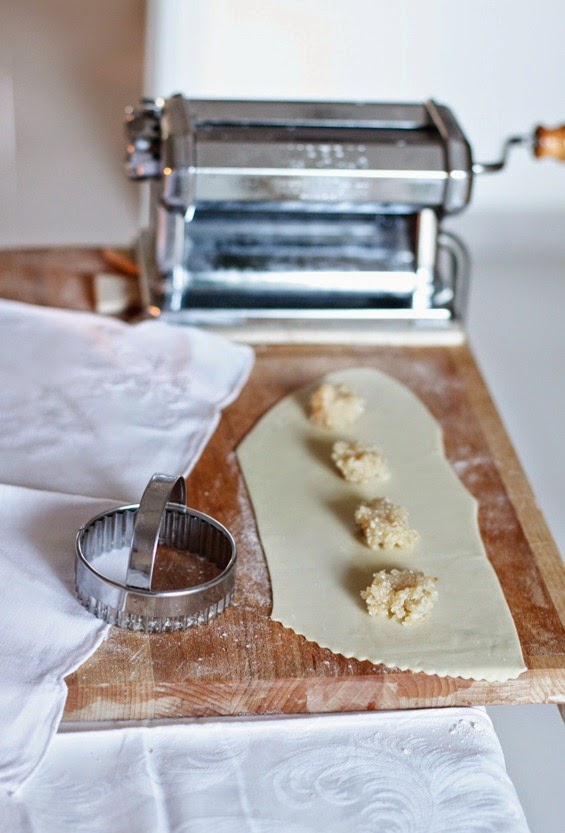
x: 550, y: 142
x: 62, y: 277
x: 244, y: 663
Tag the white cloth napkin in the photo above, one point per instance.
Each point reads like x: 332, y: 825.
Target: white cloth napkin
x: 425, y: 772
x: 93, y: 406
x: 45, y: 634
x: 89, y: 408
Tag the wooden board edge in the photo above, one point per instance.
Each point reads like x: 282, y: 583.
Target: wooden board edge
x: 515, y: 481
x: 310, y: 696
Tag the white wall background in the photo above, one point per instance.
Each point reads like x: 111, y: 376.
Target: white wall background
x: 67, y: 70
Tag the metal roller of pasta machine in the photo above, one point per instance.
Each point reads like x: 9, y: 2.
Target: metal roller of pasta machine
x: 295, y: 213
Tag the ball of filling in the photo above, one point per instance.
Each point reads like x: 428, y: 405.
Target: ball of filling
x: 385, y: 525
x: 360, y: 463
x: 335, y: 406
x: 406, y: 596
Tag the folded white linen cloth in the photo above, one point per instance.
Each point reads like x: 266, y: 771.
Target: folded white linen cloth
x: 89, y: 408
x: 93, y: 406
x: 425, y: 772
x: 45, y: 634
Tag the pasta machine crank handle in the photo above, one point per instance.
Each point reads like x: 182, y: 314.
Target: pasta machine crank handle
x: 543, y: 141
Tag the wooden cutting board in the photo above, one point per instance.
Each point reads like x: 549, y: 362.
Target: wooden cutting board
x: 243, y: 663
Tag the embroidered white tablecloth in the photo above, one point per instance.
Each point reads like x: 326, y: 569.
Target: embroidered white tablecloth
x: 435, y: 771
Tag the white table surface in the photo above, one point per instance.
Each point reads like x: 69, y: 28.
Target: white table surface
x: 423, y: 771
x: 517, y: 333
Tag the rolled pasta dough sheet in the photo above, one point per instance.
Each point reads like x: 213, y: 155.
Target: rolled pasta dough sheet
x: 319, y: 564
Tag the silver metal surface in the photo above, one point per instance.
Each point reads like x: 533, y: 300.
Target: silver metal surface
x: 457, y: 159
x: 161, y: 490
x: 512, y: 142
x: 305, y: 210
x: 310, y: 113
x: 148, y: 610
x: 306, y: 151
x: 143, y: 132
x: 282, y: 322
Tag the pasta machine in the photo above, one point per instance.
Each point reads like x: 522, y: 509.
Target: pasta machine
x: 264, y: 212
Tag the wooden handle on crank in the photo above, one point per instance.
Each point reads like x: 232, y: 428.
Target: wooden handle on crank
x: 550, y: 142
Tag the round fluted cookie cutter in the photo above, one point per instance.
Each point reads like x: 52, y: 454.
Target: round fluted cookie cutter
x: 142, y: 527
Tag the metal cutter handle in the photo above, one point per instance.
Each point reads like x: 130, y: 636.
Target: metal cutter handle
x: 161, y: 490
